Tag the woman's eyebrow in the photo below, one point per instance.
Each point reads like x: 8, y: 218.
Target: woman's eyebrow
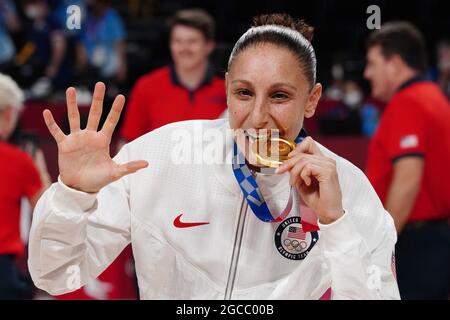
x: 242, y: 81
x: 284, y: 84
x: 275, y: 85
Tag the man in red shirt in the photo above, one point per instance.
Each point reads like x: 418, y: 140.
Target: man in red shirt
x: 187, y: 89
x: 409, y: 157
x: 19, y: 178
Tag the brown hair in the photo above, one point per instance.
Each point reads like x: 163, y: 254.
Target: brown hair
x: 284, y: 31
x: 285, y: 20
x: 196, y: 18
x: 404, y: 39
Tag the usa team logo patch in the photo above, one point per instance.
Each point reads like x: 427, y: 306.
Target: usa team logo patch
x: 292, y: 242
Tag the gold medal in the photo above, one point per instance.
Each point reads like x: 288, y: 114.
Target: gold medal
x: 270, y: 151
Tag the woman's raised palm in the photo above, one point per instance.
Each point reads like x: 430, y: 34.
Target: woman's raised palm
x: 83, y: 156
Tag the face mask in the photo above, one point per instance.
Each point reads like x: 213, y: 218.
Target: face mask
x: 352, y: 99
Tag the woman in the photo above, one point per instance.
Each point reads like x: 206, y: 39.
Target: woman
x: 21, y: 176
x: 210, y: 230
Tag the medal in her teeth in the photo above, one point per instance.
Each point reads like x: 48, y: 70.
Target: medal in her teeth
x: 271, y: 151
x: 279, y: 150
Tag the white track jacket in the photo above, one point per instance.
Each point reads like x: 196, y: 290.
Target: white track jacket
x: 217, y: 249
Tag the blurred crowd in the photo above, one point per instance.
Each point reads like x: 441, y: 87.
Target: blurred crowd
x: 45, y: 53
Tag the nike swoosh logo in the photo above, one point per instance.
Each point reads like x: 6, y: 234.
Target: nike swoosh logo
x: 179, y: 224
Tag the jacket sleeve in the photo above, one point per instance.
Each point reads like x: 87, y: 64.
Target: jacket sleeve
x: 359, y: 247
x: 75, y: 236
x: 357, y: 271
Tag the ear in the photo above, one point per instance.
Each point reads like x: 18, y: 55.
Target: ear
x: 313, y: 100
x: 395, y: 63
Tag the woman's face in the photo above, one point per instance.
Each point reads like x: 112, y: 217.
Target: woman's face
x: 266, y: 89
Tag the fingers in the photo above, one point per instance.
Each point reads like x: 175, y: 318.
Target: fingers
x: 134, y: 166
x: 288, y: 164
x: 308, y: 145
x: 129, y: 167
x: 113, y: 116
x: 303, y: 167
x: 303, y: 170
x: 305, y: 173
x: 95, y: 112
x: 55, y: 131
x: 72, y: 109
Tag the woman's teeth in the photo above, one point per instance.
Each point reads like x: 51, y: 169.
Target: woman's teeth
x: 257, y: 135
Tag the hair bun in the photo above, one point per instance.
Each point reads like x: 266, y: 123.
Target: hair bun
x: 285, y: 20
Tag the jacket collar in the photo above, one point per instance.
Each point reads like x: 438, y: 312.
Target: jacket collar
x: 413, y: 80
x: 207, y: 79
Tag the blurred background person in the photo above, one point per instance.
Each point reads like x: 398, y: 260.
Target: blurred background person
x: 334, y: 90
x: 367, y: 113
x: 409, y: 157
x: 40, y: 63
x: 185, y: 90
x: 103, y: 54
x: 351, y: 112
x: 20, y: 178
x: 9, y: 22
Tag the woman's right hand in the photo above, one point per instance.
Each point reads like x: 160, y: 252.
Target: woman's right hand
x: 83, y: 156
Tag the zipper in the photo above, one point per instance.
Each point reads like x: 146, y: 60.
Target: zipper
x: 236, y: 250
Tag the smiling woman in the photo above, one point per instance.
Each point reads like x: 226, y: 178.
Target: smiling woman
x: 246, y: 232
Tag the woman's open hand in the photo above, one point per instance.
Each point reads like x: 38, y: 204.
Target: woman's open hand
x: 83, y: 156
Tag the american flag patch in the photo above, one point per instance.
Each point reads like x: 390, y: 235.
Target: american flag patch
x: 409, y: 141
x: 296, y: 233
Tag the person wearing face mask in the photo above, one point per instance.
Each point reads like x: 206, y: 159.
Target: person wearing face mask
x: 275, y: 215
x: 354, y: 115
x: 187, y: 89
x: 344, y: 118
x: 352, y: 96
x: 367, y: 114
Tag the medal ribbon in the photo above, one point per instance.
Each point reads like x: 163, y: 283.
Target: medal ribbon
x: 253, y: 195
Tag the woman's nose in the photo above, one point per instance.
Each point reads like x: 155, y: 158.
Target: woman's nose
x: 260, y: 114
